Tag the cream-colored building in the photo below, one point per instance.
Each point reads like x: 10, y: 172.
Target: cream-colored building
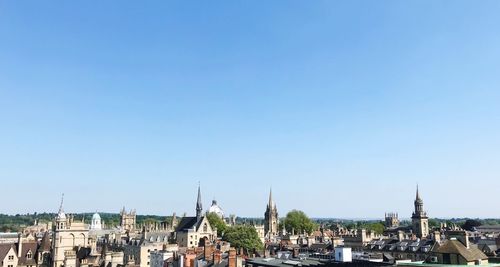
x: 8, y: 255
x: 67, y: 234
x: 195, y: 231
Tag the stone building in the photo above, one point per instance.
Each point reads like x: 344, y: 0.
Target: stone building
x: 127, y: 220
x: 195, y: 231
x: 67, y: 234
x: 420, y: 221
x: 457, y: 250
x: 271, y: 218
x: 391, y: 220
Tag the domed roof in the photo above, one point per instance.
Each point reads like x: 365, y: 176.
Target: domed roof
x: 216, y: 209
x: 96, y: 217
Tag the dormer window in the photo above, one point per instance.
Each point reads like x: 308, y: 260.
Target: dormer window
x: 29, y: 255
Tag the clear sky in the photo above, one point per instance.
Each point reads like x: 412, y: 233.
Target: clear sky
x: 341, y: 106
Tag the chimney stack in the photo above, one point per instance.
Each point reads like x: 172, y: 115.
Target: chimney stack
x: 400, y: 235
x: 19, y: 245
x: 437, y: 236
x: 232, y: 258
x: 217, y: 257
x: 209, y: 251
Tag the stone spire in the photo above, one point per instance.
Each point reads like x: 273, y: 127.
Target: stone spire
x: 60, y: 213
x: 61, y: 210
x: 270, y: 204
x: 199, y: 208
x: 417, y: 197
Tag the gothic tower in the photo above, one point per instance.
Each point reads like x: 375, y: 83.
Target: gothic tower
x: 419, y: 218
x: 199, y: 208
x: 271, y: 218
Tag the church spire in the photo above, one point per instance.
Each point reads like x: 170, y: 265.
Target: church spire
x: 418, y: 195
x: 270, y: 198
x: 61, y: 210
x: 60, y: 214
x: 199, y: 207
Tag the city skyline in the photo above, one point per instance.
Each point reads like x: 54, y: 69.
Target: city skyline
x: 340, y: 107
x: 206, y: 206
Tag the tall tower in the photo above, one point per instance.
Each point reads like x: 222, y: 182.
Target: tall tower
x: 419, y: 218
x: 66, y: 235
x: 128, y: 220
x: 199, y: 208
x: 271, y: 218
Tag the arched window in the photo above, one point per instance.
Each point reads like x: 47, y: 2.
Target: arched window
x: 205, y: 227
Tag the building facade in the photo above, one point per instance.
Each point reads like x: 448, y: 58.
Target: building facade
x: 195, y: 231
x: 127, y: 220
x: 67, y: 235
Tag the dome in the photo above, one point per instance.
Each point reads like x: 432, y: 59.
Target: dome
x: 216, y: 209
x: 96, y: 216
x: 96, y: 222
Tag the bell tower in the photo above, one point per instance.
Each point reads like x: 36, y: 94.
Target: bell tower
x: 420, y: 221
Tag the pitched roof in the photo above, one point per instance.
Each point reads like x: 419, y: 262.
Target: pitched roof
x: 456, y: 247
x: 45, y: 242
x: 28, y: 246
x: 187, y: 223
x: 4, y: 249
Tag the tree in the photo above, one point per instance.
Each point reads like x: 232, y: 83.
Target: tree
x: 217, y: 222
x: 298, y: 221
x: 377, y: 227
x: 243, y: 236
x: 469, y: 224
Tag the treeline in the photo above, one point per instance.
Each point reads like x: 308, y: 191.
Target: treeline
x: 15, y: 223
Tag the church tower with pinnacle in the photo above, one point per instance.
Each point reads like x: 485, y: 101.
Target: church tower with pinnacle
x: 271, y: 218
x: 419, y: 219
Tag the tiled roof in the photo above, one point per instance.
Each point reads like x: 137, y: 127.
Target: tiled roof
x: 26, y: 247
x: 456, y: 247
x: 45, y: 243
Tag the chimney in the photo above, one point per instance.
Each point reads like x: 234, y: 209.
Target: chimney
x: 209, y: 251
x: 217, y: 257
x: 437, y: 236
x: 401, y: 235
x: 19, y: 245
x: 232, y: 258
x: 461, y: 236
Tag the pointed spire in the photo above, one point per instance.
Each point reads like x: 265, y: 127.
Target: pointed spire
x: 199, y: 207
x: 417, y: 195
x: 270, y: 198
x: 61, y: 210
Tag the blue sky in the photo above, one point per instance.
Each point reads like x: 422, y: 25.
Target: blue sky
x: 340, y: 106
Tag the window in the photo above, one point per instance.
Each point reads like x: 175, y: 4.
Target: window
x: 205, y: 228
x: 29, y: 255
x: 10, y: 265
x: 11, y: 257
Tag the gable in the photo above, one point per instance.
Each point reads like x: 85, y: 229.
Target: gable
x: 202, y: 224
x: 7, y: 250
